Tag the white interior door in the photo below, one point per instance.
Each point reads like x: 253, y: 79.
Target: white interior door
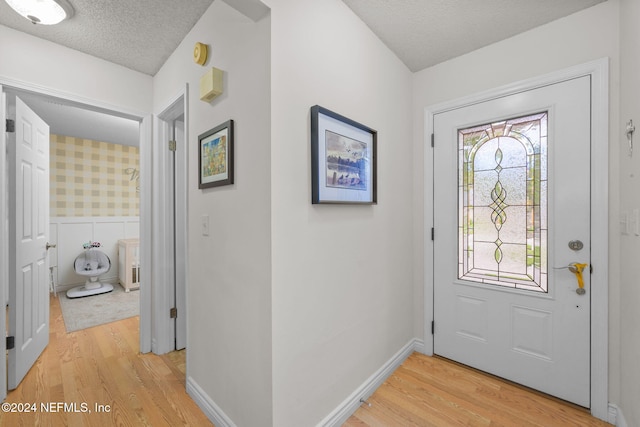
x: 511, y: 191
x: 28, y: 237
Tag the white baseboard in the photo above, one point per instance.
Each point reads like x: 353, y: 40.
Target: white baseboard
x: 342, y: 413
x: 208, y: 406
x: 419, y: 346
x: 64, y: 288
x: 616, y: 417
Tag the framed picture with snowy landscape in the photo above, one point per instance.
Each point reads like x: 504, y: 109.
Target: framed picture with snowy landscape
x: 343, y: 159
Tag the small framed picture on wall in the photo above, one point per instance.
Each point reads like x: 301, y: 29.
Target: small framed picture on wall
x: 215, y: 156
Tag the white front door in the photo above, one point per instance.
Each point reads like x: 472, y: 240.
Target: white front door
x: 511, y: 195
x: 28, y: 237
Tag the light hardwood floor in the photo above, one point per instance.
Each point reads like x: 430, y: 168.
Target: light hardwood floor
x: 103, y: 366
x: 431, y: 391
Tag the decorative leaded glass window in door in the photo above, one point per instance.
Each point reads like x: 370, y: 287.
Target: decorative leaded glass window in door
x: 502, y: 193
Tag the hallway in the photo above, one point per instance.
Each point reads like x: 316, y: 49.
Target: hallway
x: 97, y: 377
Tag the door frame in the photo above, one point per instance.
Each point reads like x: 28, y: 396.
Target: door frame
x: 4, y: 243
x: 599, y: 72
x: 145, y: 202
x: 167, y: 332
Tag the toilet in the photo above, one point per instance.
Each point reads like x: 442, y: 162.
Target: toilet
x: 91, y: 264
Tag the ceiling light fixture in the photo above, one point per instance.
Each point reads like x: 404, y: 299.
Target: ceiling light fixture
x: 45, y: 12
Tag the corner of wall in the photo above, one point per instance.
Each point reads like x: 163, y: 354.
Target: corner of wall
x: 616, y: 417
x: 215, y: 414
x: 342, y: 413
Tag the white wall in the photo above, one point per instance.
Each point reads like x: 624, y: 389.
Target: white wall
x: 38, y: 62
x: 229, y: 286
x: 585, y: 36
x: 629, y: 187
x: 342, y: 275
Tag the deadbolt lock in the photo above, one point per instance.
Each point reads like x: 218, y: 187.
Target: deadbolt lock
x: 576, y: 245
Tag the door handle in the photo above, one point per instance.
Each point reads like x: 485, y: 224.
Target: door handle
x: 49, y: 246
x: 576, y: 268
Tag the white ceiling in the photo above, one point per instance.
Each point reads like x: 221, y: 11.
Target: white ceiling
x: 142, y: 34
x: 423, y: 33
x: 80, y: 122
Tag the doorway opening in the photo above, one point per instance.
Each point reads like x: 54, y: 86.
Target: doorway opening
x: 142, y: 133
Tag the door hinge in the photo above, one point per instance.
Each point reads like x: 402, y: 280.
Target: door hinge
x: 173, y: 313
x: 433, y: 140
x: 172, y: 146
x: 11, y: 342
x: 433, y: 327
x: 10, y: 126
x: 590, y: 268
x: 433, y: 233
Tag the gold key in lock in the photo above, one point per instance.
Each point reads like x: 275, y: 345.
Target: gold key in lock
x: 577, y: 268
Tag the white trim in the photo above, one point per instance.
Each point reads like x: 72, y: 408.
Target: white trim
x: 599, y: 72
x: 620, y: 420
x: 208, y: 406
x: 146, y: 234
x: 73, y: 99
x: 167, y: 294
x: 342, y: 413
x: 616, y: 417
x: 600, y: 238
x: 182, y: 228
x: 419, y: 346
x: 4, y: 244
x: 162, y: 265
x: 93, y: 219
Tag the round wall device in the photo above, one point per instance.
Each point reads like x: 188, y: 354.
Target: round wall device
x: 200, y: 53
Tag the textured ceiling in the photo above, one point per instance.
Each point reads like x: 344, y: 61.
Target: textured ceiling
x: 423, y: 33
x: 138, y: 34
x: 142, y: 34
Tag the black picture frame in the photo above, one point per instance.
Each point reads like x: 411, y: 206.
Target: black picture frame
x: 215, y: 156
x: 343, y: 159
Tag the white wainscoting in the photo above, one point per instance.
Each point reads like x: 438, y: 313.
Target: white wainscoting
x: 70, y: 233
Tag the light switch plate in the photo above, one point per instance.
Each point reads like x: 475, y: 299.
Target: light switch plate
x: 624, y: 223
x: 205, y: 225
